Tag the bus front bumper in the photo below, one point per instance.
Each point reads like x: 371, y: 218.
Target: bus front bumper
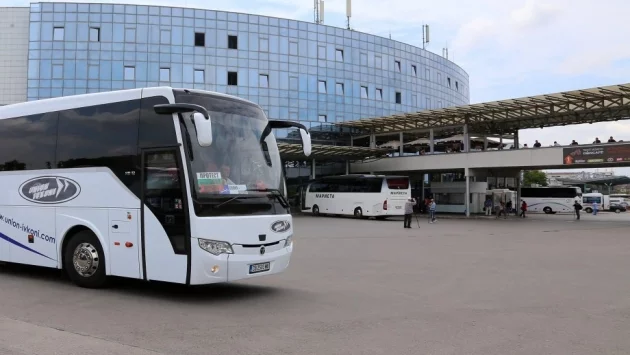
x: 207, y: 268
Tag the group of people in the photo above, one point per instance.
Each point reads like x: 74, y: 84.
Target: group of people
x: 573, y: 142
x: 578, y: 207
x: 429, y: 205
x: 504, y: 208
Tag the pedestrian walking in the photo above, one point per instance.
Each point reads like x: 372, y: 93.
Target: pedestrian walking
x: 523, y: 209
x: 595, y: 208
x: 501, y: 210
x: 409, y: 211
x: 577, y: 207
x: 432, y: 211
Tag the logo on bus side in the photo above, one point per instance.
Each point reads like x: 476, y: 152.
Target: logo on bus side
x: 325, y: 195
x: 49, y: 189
x: 280, y: 226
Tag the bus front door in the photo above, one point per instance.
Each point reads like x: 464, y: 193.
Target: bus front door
x: 165, y: 228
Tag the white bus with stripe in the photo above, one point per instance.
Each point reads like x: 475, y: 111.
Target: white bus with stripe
x: 164, y: 184
x: 379, y: 196
x: 551, y: 199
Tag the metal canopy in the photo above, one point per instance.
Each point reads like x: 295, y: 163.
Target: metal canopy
x: 616, y: 180
x: 289, y: 151
x: 571, y: 107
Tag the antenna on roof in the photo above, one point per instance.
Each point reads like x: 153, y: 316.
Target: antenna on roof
x: 348, y: 11
x: 318, y: 11
x: 321, y: 11
x: 425, y: 35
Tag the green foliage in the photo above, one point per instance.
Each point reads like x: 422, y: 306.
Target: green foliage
x: 534, y: 177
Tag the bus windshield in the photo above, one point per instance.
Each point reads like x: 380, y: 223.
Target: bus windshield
x: 237, y: 162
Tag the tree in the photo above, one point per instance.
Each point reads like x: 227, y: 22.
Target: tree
x: 534, y: 177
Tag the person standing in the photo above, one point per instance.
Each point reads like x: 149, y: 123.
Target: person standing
x: 432, y: 210
x: 577, y: 207
x: 595, y: 208
x: 487, y: 206
x: 523, y: 209
x: 409, y: 211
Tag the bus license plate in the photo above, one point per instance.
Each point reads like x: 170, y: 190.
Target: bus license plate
x: 262, y: 267
x: 398, y: 207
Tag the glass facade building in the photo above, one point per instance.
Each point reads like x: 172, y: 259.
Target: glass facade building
x: 295, y: 70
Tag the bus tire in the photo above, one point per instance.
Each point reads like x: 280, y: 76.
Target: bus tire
x: 588, y: 210
x: 84, y: 260
x: 358, y: 212
x: 315, y: 210
x: 547, y: 210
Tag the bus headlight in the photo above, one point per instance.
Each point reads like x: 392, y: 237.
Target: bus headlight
x: 215, y: 247
x: 289, y: 241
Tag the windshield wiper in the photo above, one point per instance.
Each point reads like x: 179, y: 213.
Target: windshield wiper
x: 227, y: 201
x: 275, y: 193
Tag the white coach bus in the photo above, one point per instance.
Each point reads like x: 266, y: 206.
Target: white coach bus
x: 164, y: 184
x: 551, y: 199
x: 377, y: 196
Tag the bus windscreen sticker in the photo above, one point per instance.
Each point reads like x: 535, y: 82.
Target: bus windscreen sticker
x: 210, y: 182
x: 49, y: 190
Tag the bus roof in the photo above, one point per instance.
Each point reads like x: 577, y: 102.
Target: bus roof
x: 84, y: 100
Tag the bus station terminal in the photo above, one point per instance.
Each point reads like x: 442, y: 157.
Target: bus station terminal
x: 469, y: 150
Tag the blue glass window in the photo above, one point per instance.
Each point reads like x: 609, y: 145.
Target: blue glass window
x: 130, y: 73
x: 199, y: 76
x: 58, y: 33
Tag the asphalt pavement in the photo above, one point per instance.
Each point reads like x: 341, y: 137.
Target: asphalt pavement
x: 540, y: 285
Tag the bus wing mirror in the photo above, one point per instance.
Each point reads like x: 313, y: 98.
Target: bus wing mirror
x: 304, y: 133
x: 306, y: 141
x: 204, y: 129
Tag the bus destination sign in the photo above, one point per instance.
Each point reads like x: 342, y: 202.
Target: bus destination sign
x: 618, y: 153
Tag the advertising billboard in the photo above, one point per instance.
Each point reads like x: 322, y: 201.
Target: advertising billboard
x: 614, y: 153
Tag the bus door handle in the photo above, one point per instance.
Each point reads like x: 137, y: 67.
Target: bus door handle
x: 115, y: 226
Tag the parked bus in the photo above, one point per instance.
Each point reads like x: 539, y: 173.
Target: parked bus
x: 361, y: 196
x: 164, y: 184
x: 551, y: 199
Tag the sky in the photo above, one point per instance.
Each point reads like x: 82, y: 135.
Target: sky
x: 509, y: 48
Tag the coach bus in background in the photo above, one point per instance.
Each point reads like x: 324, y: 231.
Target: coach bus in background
x: 551, y: 199
x: 174, y: 185
x: 378, y: 196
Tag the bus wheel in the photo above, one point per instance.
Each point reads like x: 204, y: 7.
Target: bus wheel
x: 316, y: 210
x: 358, y: 212
x: 84, y: 260
x: 588, y: 210
x: 547, y: 210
